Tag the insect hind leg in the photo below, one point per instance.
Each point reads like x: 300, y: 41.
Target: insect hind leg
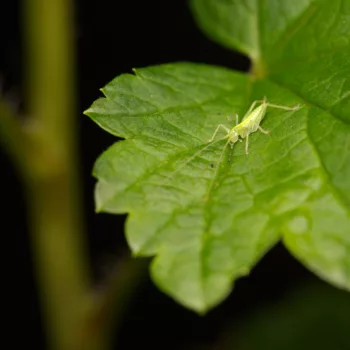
x: 252, y: 106
x: 263, y: 130
x: 295, y: 108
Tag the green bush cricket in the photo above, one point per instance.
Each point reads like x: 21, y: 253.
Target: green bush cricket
x: 250, y: 123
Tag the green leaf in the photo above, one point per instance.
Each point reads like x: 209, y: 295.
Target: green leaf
x: 208, y: 213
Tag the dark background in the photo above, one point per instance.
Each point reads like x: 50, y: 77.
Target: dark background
x: 112, y: 37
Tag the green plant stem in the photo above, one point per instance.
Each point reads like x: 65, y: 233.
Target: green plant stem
x: 52, y: 185
x: 59, y: 259
x: 44, y: 148
x: 258, y: 69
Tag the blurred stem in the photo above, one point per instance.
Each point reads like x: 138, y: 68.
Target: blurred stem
x: 53, y: 189
x: 258, y: 69
x: 44, y: 148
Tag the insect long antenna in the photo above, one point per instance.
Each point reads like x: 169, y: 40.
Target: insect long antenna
x: 190, y: 159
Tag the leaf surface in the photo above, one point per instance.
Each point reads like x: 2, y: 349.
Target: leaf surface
x: 206, y: 212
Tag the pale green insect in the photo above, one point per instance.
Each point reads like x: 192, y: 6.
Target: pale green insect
x: 250, y: 123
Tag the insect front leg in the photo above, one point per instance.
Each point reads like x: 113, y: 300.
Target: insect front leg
x: 246, y: 144
x: 237, y: 119
x: 229, y: 119
x: 220, y: 126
